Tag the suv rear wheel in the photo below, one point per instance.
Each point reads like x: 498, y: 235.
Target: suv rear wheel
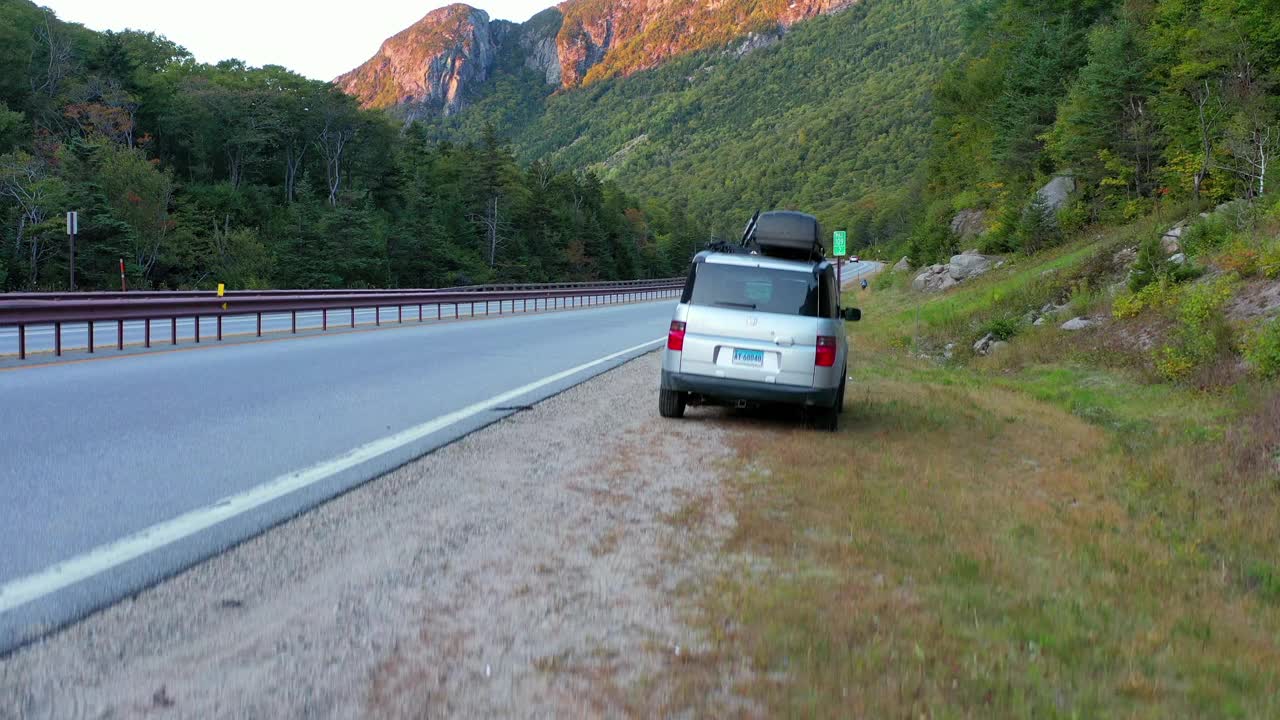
x: 826, y: 419
x: 671, y: 403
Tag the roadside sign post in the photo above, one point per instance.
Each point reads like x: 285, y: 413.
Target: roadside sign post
x: 840, y: 248
x: 122, y: 285
x: 73, y: 225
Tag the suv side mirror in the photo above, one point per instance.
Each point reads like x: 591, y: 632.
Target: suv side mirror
x: 851, y: 314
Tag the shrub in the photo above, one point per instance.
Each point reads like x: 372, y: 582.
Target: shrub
x: 1038, y: 227
x: 1240, y: 257
x: 888, y: 280
x: 1073, y: 218
x: 1152, y: 266
x: 1202, y: 332
x: 1269, y: 262
x: 1156, y: 296
x: 1002, y: 328
x: 1262, y: 349
x: 1207, y: 235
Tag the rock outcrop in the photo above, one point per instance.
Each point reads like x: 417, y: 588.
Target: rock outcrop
x: 1172, y: 239
x: 1057, y: 192
x: 903, y: 265
x: 969, y: 224
x: 938, y: 278
x: 431, y: 65
x: 428, y: 65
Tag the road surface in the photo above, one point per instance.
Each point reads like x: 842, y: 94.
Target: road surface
x: 121, y: 471
x: 126, y: 469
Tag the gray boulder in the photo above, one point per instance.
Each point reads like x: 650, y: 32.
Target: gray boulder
x: 903, y: 265
x: 1179, y: 259
x: 1172, y: 240
x: 1126, y: 257
x: 934, y: 278
x: 983, y: 346
x: 1057, y: 192
x: 969, y: 224
x: 963, y: 267
x: 1077, y: 324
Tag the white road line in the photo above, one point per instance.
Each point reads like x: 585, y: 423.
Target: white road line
x: 111, y: 555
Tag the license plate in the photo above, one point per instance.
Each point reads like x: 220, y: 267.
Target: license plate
x: 754, y: 358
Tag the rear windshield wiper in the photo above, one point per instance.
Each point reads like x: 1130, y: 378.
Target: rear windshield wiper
x: 748, y: 306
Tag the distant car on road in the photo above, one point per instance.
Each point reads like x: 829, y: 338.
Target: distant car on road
x: 761, y: 325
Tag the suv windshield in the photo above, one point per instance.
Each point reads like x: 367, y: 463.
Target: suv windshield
x: 785, y: 292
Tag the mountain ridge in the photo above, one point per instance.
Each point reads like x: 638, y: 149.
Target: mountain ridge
x: 429, y: 67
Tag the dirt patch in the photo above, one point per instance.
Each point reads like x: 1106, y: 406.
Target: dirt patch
x: 534, y: 568
x: 1256, y: 299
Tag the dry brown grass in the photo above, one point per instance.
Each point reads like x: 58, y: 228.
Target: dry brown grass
x: 980, y: 546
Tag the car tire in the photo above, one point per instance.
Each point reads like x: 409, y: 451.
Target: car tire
x: 671, y: 403
x: 827, y: 419
x: 840, y: 399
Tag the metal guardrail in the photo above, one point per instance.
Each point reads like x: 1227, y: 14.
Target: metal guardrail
x: 38, y: 309
x: 136, y: 294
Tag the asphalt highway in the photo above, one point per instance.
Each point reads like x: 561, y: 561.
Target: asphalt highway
x: 121, y: 471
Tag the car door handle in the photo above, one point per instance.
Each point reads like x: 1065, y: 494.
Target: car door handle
x: 784, y: 341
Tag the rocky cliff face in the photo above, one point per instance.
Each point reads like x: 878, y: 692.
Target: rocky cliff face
x: 430, y: 66
x: 603, y: 38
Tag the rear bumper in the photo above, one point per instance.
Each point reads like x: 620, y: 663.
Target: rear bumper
x: 730, y: 391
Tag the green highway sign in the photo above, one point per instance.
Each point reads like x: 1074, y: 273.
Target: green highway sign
x: 839, y: 243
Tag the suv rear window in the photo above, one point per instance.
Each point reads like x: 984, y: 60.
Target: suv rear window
x: 785, y: 292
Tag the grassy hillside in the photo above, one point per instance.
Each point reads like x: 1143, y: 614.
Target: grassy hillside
x: 1059, y: 529
x: 833, y: 118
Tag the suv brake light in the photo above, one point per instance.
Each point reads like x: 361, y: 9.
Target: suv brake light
x: 826, y: 356
x: 675, y: 336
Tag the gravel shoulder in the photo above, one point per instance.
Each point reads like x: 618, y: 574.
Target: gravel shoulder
x: 534, y: 568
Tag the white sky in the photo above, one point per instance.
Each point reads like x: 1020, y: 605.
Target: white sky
x: 318, y: 38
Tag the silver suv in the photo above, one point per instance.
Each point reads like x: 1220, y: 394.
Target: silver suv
x: 752, y: 330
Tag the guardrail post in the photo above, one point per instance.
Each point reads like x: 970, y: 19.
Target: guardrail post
x: 259, y: 324
x: 377, y: 315
x: 57, y: 339
x: 400, y: 314
x: 22, y: 341
x: 455, y: 311
x: 173, y: 328
x: 120, y: 335
x: 324, y: 319
x: 197, y: 322
x: 353, y: 318
x: 91, y: 336
x: 419, y: 312
x: 293, y: 319
x: 146, y: 333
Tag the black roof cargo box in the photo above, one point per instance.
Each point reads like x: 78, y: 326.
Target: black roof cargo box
x: 789, y: 235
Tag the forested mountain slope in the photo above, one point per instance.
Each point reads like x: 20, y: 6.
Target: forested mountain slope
x: 830, y: 116
x: 195, y: 174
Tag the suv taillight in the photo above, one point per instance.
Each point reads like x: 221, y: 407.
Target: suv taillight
x: 826, y: 356
x: 675, y: 336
